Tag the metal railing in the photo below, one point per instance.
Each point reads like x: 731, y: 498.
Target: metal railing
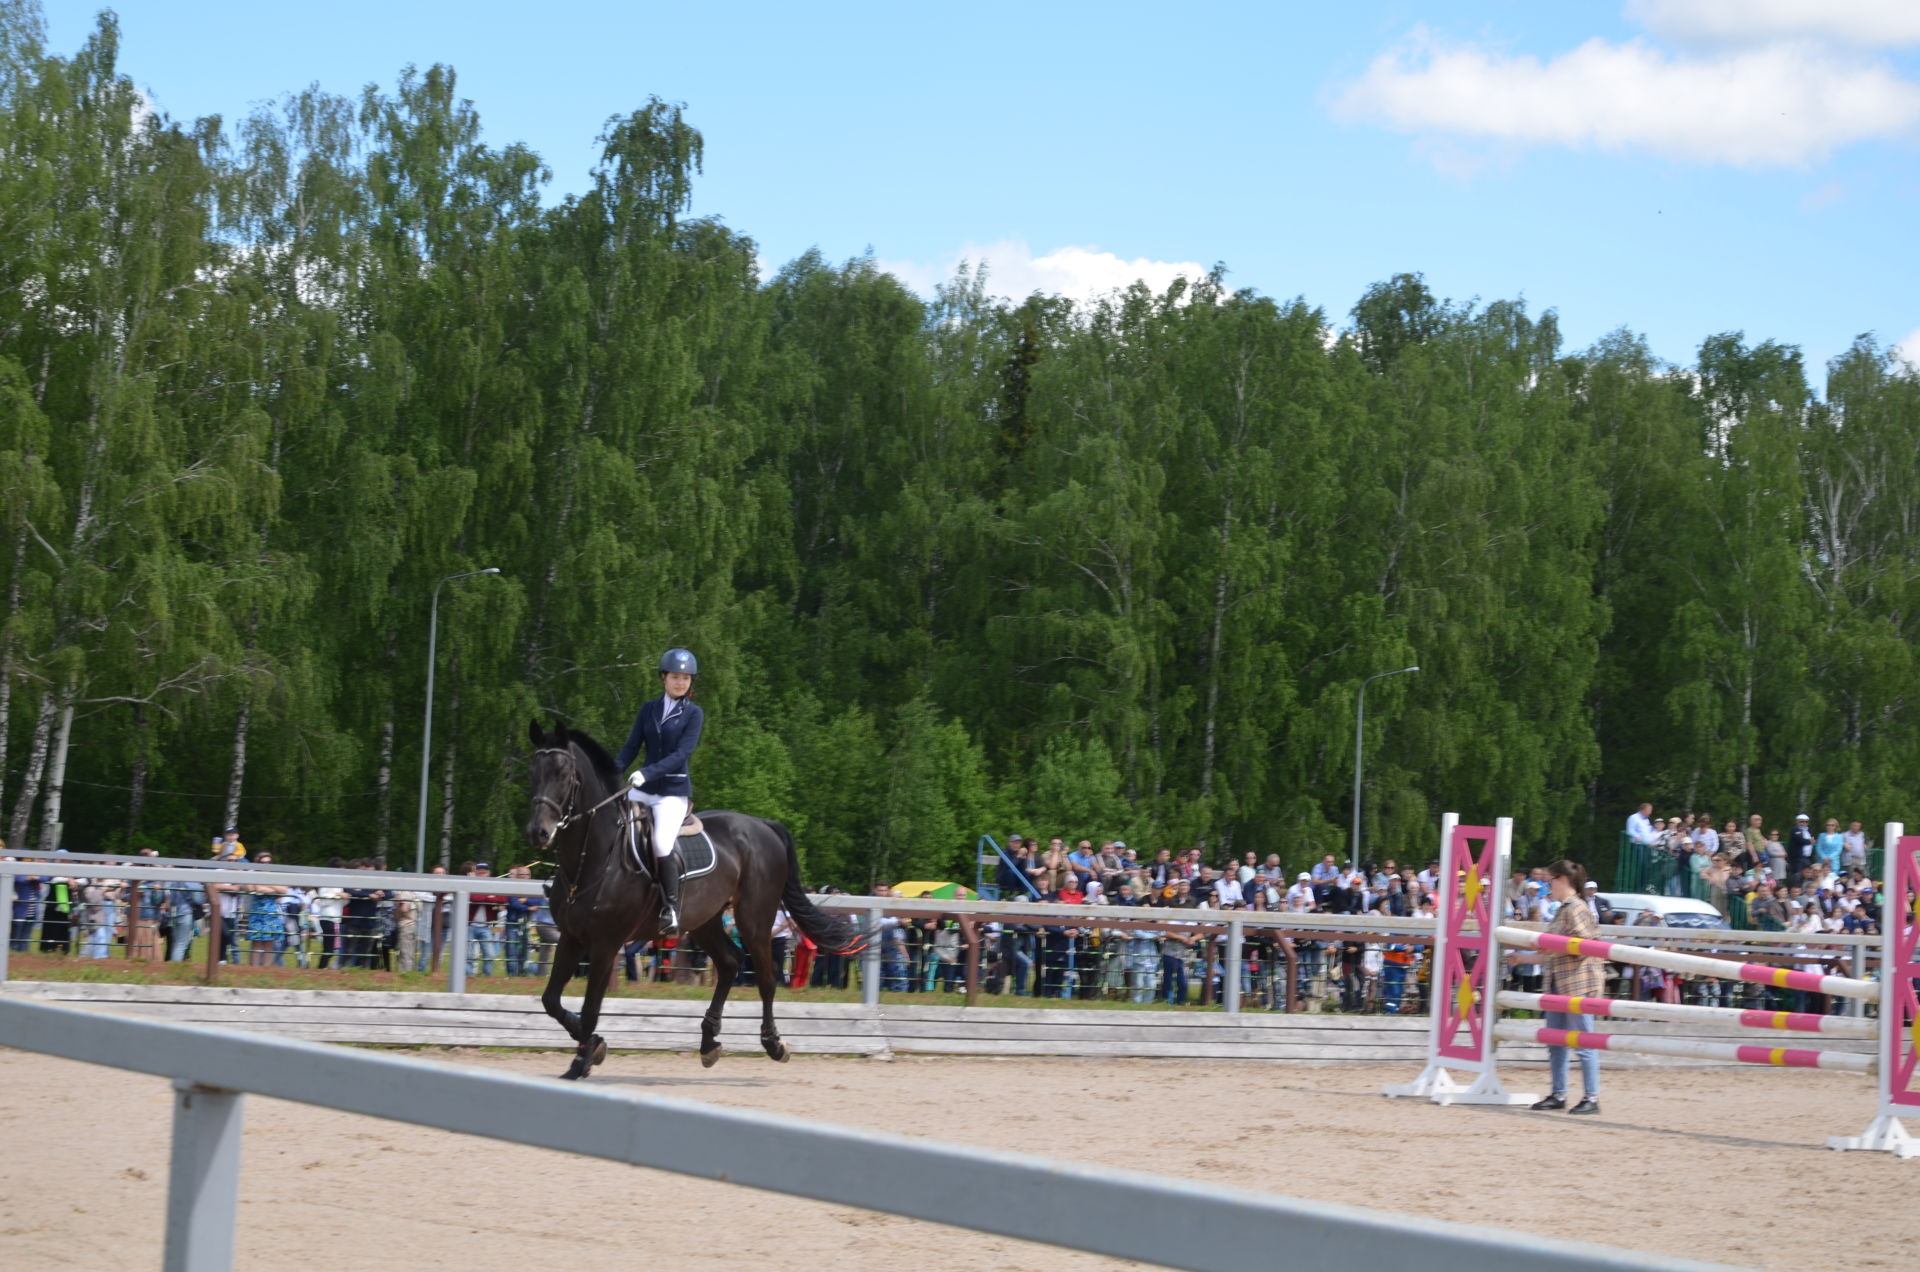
x: 1653, y: 870
x: 1297, y: 947
x: 1203, y: 1226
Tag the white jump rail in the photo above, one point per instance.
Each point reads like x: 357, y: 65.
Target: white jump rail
x: 1632, y: 1009
x: 1200, y: 1226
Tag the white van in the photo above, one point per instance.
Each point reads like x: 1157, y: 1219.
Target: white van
x: 1679, y: 912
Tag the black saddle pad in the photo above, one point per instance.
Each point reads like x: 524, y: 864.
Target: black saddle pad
x: 695, y: 851
x: 696, y: 854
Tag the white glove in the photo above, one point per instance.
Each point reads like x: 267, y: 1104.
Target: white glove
x: 637, y: 780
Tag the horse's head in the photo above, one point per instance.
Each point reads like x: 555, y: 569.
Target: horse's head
x: 557, y: 788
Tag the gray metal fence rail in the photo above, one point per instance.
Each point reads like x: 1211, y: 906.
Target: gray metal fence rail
x: 459, y: 890
x: 1198, y: 1226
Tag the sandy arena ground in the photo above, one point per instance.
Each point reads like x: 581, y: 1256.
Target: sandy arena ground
x: 1713, y: 1164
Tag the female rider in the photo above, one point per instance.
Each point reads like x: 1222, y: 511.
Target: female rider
x: 668, y: 728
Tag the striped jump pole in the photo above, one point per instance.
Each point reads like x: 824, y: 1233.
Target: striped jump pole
x: 1688, y: 964
x: 1899, y: 1005
x: 1788, y: 1057
x: 1630, y: 1009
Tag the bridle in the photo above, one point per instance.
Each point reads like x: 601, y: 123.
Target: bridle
x: 566, y: 811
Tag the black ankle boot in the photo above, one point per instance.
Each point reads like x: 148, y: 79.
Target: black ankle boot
x: 1551, y: 1102
x: 667, y: 870
x: 1588, y: 1104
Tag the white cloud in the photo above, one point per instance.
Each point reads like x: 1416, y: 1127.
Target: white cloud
x: 1910, y: 348
x: 1774, y: 104
x: 1013, y: 271
x: 1865, y: 23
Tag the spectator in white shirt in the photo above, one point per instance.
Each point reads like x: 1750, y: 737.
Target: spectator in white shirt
x: 1226, y: 890
x: 1640, y: 827
x: 1853, y: 850
x: 1300, y: 895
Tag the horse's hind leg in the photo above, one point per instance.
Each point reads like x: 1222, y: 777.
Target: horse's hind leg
x: 593, y: 1048
x: 566, y: 957
x: 712, y: 937
x: 767, y: 974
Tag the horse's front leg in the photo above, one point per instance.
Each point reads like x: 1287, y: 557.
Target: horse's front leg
x: 593, y: 1048
x: 712, y: 937
x: 566, y: 957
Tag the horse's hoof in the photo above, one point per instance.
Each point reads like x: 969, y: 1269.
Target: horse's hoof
x: 778, y: 1052
x: 575, y: 1072
x: 709, y: 1058
x: 599, y: 1051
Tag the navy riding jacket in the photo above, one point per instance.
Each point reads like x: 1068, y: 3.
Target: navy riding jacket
x: 668, y: 746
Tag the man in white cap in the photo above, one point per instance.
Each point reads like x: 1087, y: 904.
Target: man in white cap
x: 1799, y: 847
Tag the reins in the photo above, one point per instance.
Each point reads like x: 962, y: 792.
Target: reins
x: 567, y: 814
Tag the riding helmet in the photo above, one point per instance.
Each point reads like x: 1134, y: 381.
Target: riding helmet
x: 679, y: 660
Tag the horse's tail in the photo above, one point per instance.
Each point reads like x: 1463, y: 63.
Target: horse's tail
x: 832, y: 932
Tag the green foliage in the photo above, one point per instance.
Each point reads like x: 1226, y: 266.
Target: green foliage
x: 957, y: 565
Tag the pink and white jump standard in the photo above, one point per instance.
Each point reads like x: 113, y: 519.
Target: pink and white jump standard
x: 1466, y: 967
x: 1467, y: 997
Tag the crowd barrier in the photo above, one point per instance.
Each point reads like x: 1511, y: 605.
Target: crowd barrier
x: 1203, y: 1226
x: 1465, y: 1030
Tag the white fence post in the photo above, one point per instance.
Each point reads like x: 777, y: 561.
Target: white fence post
x: 1230, y: 974
x: 203, y: 1182
x: 457, y: 915
x: 870, y: 958
x: 8, y: 869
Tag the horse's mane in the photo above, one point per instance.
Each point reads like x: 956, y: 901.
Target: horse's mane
x: 609, y: 771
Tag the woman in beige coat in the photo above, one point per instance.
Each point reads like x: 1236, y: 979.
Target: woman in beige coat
x: 1577, y: 977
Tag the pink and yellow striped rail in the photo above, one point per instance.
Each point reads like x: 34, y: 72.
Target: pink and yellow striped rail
x: 1630, y: 1009
x: 1688, y: 964
x: 1788, y: 1057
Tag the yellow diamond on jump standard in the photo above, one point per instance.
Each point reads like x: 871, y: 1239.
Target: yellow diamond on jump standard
x: 1474, y: 886
x: 1463, y: 997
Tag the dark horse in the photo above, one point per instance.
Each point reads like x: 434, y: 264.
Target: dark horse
x: 602, y: 901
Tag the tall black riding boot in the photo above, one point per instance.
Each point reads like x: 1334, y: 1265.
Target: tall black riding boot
x: 667, y: 870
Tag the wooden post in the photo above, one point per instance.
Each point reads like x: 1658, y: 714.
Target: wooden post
x: 213, y: 933
x: 970, y: 939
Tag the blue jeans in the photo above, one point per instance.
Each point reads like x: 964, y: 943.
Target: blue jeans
x: 483, y: 953
x: 1173, y: 978
x: 99, y: 941
x: 517, y: 961
x: 1557, y: 1056
x: 1393, y: 981
x: 180, y: 935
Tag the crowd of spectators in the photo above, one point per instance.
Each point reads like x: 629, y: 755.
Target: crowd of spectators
x: 268, y: 924
x: 1816, y: 883
x: 1756, y: 876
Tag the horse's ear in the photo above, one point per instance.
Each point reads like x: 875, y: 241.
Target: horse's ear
x: 533, y: 732
x: 559, y: 729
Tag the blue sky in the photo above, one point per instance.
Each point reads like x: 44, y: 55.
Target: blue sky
x: 1679, y: 167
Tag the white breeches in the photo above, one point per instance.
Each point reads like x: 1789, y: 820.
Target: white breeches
x: 668, y: 812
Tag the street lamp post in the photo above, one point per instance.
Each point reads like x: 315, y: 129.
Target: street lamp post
x: 426, y: 734
x: 1359, y: 744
